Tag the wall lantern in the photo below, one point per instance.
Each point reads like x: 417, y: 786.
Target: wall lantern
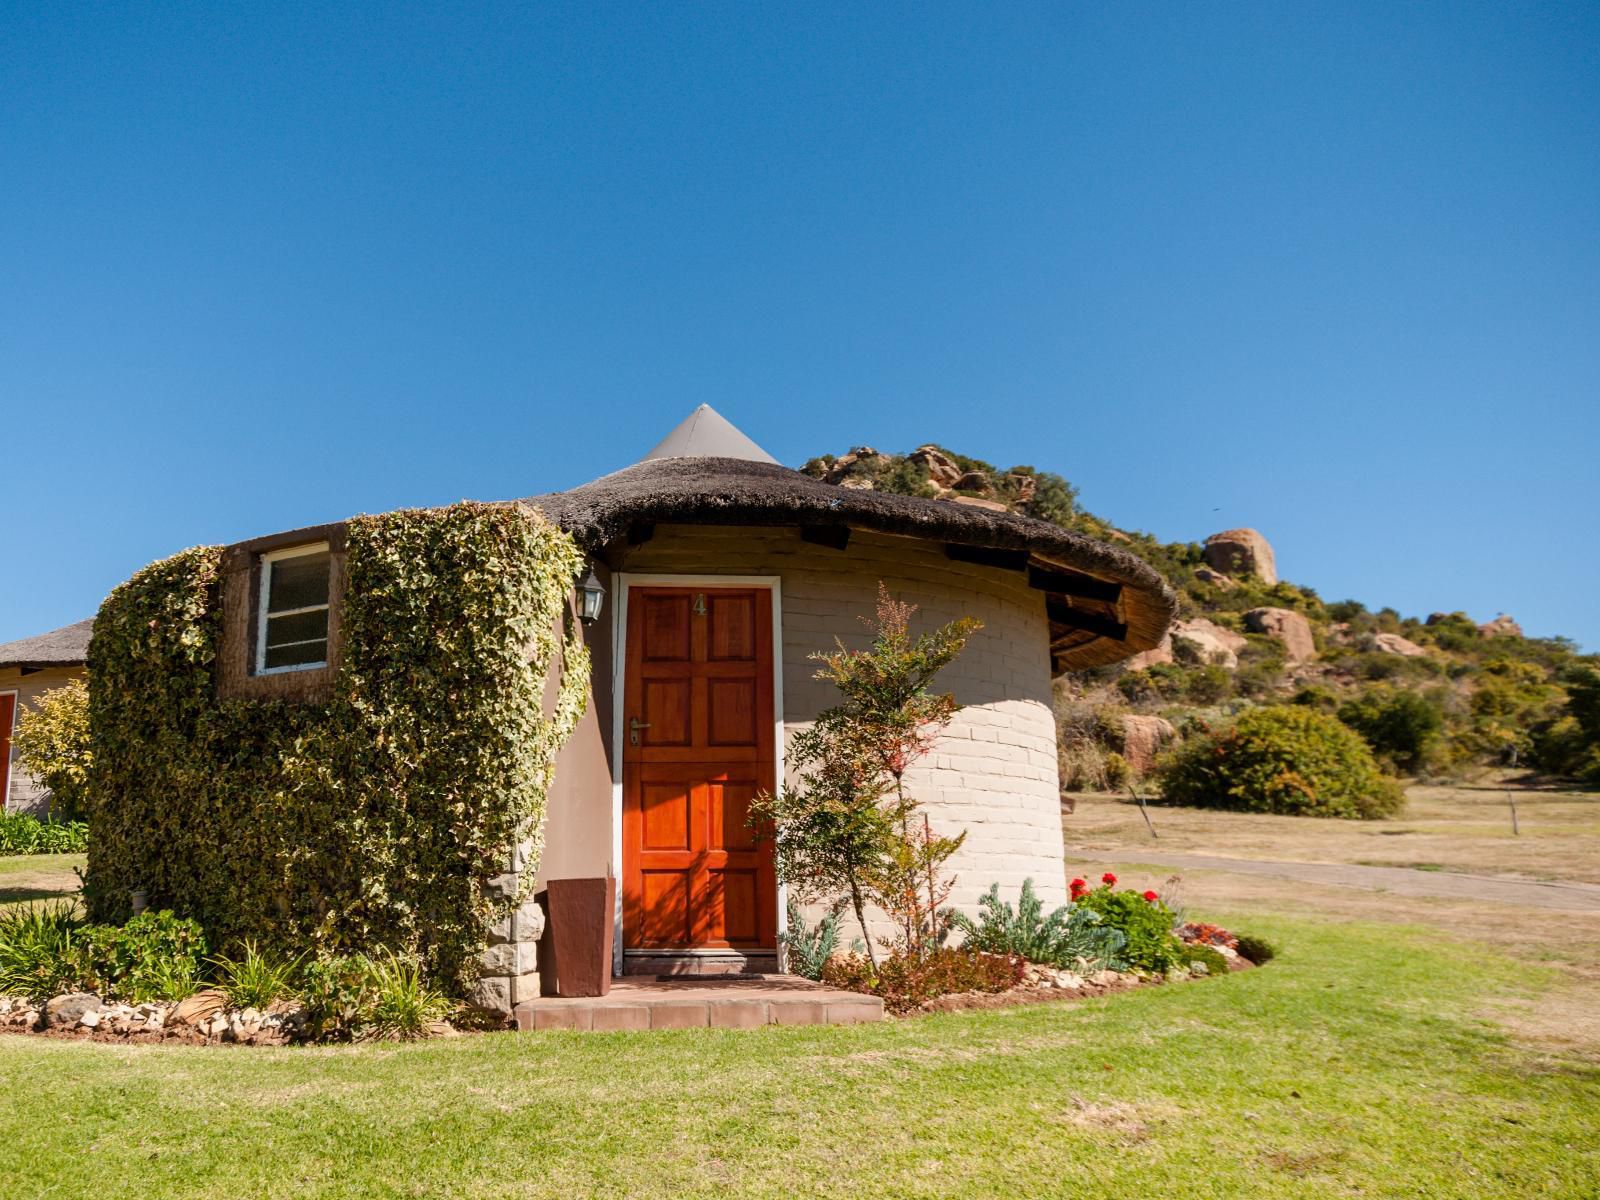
x: 591, y: 596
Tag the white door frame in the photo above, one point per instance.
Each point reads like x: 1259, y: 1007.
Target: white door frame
x: 619, y: 660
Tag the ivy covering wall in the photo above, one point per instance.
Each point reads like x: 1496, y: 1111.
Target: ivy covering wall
x: 379, y: 819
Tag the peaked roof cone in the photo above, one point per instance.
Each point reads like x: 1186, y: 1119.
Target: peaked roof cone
x: 706, y: 433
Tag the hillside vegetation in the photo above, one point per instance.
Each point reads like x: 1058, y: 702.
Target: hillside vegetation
x: 1438, y: 696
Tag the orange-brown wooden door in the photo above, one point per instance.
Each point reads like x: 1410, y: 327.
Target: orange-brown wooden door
x: 8, y: 716
x: 697, y: 746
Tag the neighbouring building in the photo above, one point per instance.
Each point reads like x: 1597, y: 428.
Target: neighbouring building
x: 30, y: 667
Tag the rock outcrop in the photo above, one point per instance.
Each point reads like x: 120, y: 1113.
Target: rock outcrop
x: 1215, y: 578
x: 1211, y: 643
x: 1393, y: 643
x: 941, y: 468
x: 1149, y: 658
x: 1288, y: 627
x: 1239, y: 552
x: 1501, y: 626
x: 1143, y: 738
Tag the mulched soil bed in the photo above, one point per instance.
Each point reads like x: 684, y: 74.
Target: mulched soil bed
x: 1031, y: 993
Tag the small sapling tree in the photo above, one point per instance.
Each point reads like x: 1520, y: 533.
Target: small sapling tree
x: 848, y: 828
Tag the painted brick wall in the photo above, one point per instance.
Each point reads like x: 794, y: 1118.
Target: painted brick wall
x: 994, y: 773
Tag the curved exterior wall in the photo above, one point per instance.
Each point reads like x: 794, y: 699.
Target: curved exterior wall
x: 994, y: 773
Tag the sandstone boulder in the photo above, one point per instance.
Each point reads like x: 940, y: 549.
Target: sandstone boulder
x: 1501, y: 626
x: 1212, y: 643
x: 978, y: 502
x: 1240, y: 552
x: 1143, y: 738
x: 1150, y: 658
x: 1288, y: 627
x: 974, y: 481
x: 941, y: 468
x: 841, y: 465
x: 1023, y: 488
x: 1215, y: 578
x: 1393, y: 643
x: 69, y: 1010
x: 198, y: 1008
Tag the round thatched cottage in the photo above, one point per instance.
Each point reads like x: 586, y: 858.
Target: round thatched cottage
x: 724, y: 572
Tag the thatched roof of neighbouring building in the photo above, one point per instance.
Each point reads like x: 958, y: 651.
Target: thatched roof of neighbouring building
x: 64, y: 647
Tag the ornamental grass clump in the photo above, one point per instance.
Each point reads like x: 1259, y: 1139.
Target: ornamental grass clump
x: 257, y: 978
x: 1284, y: 759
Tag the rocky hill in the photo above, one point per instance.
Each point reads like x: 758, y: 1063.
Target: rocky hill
x: 1439, y: 695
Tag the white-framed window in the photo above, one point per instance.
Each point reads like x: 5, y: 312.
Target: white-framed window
x: 292, y: 610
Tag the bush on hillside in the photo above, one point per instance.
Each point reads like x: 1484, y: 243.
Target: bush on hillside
x: 1282, y: 759
x: 1400, y: 726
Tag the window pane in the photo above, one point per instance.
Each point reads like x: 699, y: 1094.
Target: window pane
x: 302, y: 627
x: 297, y: 582
x: 304, y: 654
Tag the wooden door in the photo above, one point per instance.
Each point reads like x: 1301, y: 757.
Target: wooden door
x: 8, y: 716
x: 697, y: 746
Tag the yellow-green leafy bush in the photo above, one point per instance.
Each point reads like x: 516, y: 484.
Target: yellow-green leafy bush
x: 52, y: 745
x: 1283, y: 759
x: 370, y: 822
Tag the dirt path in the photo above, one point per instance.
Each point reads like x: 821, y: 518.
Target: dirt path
x: 1402, y: 881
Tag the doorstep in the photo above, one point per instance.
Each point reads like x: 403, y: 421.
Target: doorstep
x: 701, y: 1003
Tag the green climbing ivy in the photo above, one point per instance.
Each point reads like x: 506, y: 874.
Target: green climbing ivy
x: 384, y: 818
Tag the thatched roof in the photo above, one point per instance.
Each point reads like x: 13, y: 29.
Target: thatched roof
x: 64, y: 647
x: 1104, y: 603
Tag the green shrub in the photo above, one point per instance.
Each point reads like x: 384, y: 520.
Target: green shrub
x: 1145, y: 923
x: 255, y: 979
x: 1209, y: 957
x: 334, y: 992
x: 810, y: 949
x: 1282, y: 759
x: 1256, y: 949
x: 155, y: 956
x: 35, y: 950
x: 24, y: 834
x: 376, y: 819
x: 1400, y: 726
x: 1071, y: 936
x: 905, y: 981
x: 52, y: 744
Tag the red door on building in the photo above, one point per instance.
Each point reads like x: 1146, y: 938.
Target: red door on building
x: 698, y: 745
x: 8, y: 717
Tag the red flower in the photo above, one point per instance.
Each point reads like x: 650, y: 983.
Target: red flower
x: 1152, y: 897
x: 1079, y: 887
x: 1109, y: 879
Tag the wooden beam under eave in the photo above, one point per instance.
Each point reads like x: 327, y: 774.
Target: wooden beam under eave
x: 1081, y: 587
x: 1006, y: 560
x: 1076, y: 618
x: 834, y: 537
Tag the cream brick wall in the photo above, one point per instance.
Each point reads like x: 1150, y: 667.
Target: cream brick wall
x: 24, y: 794
x: 994, y: 772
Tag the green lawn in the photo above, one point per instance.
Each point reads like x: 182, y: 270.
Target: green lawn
x: 1351, y: 1066
x: 29, y: 877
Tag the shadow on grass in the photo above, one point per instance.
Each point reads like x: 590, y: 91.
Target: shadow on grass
x: 26, y: 895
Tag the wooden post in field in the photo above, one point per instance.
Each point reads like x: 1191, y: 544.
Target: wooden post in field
x: 1133, y: 786
x: 1512, y: 800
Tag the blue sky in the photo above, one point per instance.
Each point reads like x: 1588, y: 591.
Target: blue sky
x: 1330, y: 271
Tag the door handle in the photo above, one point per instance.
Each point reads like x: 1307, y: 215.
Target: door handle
x: 634, y: 725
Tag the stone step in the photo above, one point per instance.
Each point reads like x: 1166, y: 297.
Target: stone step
x: 703, y: 1003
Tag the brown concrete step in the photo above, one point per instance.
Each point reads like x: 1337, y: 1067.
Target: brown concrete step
x: 702, y: 1003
